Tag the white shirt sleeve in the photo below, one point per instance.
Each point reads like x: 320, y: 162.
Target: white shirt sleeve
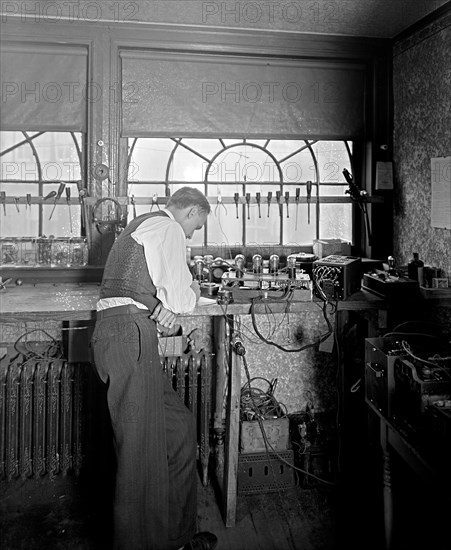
x: 165, y: 251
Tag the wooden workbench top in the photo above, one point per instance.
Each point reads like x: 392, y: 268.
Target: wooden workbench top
x: 78, y: 301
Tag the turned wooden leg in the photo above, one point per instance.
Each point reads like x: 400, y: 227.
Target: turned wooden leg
x: 388, y: 495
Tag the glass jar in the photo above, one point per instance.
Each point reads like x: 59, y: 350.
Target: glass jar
x: 10, y: 251
x: 415, y: 268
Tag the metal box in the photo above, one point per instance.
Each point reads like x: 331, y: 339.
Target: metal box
x: 380, y: 357
x: 437, y: 428
x: 395, y: 288
x: 326, y: 247
x: 265, y: 472
x: 337, y: 277
x: 276, y: 431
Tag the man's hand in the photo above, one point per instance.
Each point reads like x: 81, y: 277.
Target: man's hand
x: 163, y: 316
x: 196, y: 287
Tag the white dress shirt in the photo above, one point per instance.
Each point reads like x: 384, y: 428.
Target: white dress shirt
x: 164, y: 245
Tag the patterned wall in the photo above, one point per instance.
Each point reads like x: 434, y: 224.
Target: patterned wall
x: 307, y: 376
x: 422, y: 129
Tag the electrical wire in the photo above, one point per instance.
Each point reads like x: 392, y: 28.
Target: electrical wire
x: 392, y: 333
x: 240, y: 350
x: 275, y: 344
x: 406, y: 347
x: 419, y: 322
x: 51, y: 352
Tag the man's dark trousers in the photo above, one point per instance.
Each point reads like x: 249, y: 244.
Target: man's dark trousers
x: 155, y: 505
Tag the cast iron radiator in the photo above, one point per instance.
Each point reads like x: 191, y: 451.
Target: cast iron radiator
x: 41, y: 412
x: 190, y: 374
x: 51, y: 412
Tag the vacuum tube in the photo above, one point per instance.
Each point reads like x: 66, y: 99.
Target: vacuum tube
x: 257, y: 263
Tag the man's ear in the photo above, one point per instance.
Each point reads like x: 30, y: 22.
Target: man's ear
x: 192, y: 212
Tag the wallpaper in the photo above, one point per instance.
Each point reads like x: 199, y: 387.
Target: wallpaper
x: 422, y: 130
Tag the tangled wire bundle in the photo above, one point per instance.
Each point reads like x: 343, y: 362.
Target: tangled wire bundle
x: 256, y: 403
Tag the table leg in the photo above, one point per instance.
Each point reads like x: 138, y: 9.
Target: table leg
x: 232, y: 439
x: 221, y: 373
x: 388, y: 495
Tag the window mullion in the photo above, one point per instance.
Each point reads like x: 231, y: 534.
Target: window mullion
x: 243, y: 215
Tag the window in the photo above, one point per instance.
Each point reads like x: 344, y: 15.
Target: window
x: 33, y: 164
x: 250, y: 170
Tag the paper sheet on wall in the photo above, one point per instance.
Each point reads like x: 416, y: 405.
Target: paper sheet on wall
x: 384, y: 176
x: 441, y: 192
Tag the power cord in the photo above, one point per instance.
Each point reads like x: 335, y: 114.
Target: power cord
x: 240, y: 350
x: 275, y: 344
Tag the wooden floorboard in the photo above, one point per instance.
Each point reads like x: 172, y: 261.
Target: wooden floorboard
x: 291, y: 519
x: 65, y: 513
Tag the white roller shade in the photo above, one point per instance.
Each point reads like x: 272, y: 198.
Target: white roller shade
x: 174, y: 94
x: 44, y: 87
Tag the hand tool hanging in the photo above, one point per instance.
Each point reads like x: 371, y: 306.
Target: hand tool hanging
x: 69, y: 207
x: 237, y: 200
x: 28, y: 205
x: 154, y: 202
x: 49, y: 196
x: 81, y: 199
x: 16, y: 200
x: 309, y: 198
x: 360, y: 197
x: 248, y: 202
x: 132, y: 200
x: 268, y: 200
x: 219, y: 203
x: 258, y: 198
x: 287, y: 202
x: 3, y: 195
x: 279, y: 203
x: 298, y: 192
x: 57, y: 197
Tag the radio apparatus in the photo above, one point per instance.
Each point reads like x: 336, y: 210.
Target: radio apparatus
x: 250, y: 285
x: 336, y: 277
x: 419, y: 385
x: 412, y: 386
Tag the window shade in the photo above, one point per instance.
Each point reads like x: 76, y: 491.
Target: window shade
x: 44, y: 87
x: 174, y: 94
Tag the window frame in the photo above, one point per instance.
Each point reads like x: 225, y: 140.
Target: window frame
x: 40, y: 181
x: 306, y: 144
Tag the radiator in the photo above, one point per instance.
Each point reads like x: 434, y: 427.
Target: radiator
x: 47, y: 409
x: 190, y: 374
x: 41, y: 414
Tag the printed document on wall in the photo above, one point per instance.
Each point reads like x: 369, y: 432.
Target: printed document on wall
x: 441, y: 192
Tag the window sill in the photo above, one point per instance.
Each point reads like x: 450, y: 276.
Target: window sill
x: 46, y: 274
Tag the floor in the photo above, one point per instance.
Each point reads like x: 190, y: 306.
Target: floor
x: 68, y: 514
x: 57, y: 515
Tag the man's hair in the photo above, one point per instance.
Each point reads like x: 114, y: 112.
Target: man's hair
x: 189, y: 196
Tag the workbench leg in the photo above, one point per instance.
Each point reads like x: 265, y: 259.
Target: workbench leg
x: 341, y: 318
x: 221, y: 374
x: 232, y: 440
x: 205, y: 412
x: 388, y: 495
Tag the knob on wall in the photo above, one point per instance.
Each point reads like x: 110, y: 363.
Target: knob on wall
x: 101, y: 171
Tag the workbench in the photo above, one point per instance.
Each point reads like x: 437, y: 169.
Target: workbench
x: 395, y: 441
x: 77, y: 302
x: 420, y: 444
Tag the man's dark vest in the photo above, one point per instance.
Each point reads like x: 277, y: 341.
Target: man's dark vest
x: 126, y: 273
